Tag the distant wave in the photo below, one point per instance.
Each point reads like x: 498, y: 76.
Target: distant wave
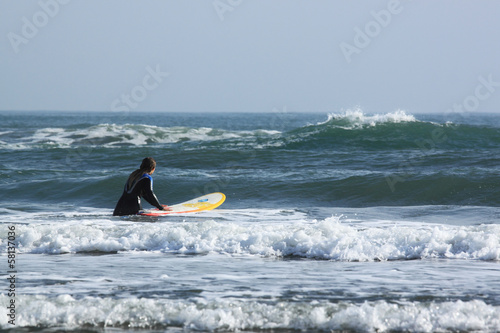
x: 348, y: 129
x: 349, y: 158
x: 113, y: 135
x: 396, y: 130
x: 327, y: 239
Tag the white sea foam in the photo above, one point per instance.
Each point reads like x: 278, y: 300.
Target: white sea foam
x: 110, y: 135
x: 357, y: 118
x: 326, y: 239
x: 64, y: 311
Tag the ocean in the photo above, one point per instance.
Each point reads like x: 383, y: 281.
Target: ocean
x: 343, y: 222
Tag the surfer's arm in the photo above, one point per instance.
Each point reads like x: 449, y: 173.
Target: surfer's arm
x: 148, y: 194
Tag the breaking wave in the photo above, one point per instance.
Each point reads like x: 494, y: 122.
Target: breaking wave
x: 348, y: 129
x: 326, y: 239
x: 64, y: 311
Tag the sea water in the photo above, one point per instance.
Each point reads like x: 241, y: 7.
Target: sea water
x: 333, y: 222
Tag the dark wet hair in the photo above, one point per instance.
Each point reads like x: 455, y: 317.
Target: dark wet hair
x: 148, y: 164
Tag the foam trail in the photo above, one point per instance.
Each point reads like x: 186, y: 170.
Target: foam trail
x: 229, y: 314
x: 326, y: 239
x: 111, y: 135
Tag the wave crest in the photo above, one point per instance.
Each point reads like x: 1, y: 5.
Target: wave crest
x: 356, y: 118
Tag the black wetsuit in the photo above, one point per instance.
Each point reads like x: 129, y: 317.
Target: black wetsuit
x: 130, y: 201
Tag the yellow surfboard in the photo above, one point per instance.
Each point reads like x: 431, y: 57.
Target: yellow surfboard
x: 203, y: 203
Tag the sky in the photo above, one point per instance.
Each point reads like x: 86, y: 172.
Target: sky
x: 250, y: 55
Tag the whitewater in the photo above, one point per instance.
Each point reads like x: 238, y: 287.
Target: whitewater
x: 311, y: 237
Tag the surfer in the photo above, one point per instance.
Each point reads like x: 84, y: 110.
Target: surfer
x: 139, y: 184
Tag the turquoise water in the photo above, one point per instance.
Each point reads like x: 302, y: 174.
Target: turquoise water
x: 342, y: 221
